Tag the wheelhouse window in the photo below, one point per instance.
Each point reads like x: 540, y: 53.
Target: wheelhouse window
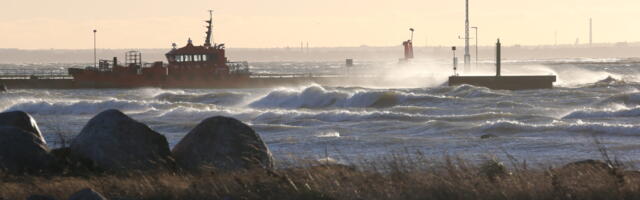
x: 192, y: 58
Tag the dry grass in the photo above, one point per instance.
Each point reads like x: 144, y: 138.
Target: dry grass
x: 395, y: 177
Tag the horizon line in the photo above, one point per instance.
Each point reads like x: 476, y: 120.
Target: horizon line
x: 604, y: 44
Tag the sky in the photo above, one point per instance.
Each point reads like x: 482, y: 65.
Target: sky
x: 68, y: 24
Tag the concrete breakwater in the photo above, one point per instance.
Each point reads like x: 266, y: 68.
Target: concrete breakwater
x: 113, y: 142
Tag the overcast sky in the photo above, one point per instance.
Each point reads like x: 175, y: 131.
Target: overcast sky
x: 68, y: 24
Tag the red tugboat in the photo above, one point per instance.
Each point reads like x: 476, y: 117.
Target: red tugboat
x: 191, y: 66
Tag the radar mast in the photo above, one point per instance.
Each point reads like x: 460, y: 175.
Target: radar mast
x: 207, y: 41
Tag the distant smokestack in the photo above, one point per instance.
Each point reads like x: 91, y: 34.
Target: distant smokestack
x: 498, y: 58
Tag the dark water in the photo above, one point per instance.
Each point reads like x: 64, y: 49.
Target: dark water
x: 416, y: 114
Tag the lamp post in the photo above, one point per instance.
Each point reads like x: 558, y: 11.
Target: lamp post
x: 95, y: 64
x: 476, y: 29
x: 411, y: 29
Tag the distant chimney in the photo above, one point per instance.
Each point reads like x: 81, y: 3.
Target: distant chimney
x: 498, y: 58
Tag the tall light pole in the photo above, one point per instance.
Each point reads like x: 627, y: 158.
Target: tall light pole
x: 95, y: 58
x: 476, y: 29
x: 467, y: 56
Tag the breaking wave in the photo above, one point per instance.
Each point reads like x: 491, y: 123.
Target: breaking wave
x: 581, y: 114
x: 223, y: 98
x: 80, y: 107
x: 511, y: 127
x: 470, y: 91
x: 320, y: 97
x: 628, y: 99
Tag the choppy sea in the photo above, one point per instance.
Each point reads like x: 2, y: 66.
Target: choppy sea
x: 418, y: 114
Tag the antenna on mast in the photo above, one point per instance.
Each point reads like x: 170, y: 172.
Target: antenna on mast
x: 207, y: 41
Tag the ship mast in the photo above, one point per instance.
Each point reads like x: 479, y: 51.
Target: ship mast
x: 207, y: 41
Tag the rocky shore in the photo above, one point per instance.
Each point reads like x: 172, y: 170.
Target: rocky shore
x: 112, y: 142
x: 117, y: 157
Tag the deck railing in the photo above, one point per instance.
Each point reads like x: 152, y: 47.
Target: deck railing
x: 47, y: 73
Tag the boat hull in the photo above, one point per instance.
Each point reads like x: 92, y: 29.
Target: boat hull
x: 226, y: 83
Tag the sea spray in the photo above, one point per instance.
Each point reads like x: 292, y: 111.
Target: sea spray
x: 426, y: 116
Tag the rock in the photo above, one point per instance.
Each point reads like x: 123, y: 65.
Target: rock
x: 40, y: 197
x: 223, y: 143
x: 21, y: 120
x: 87, y: 194
x: 3, y: 88
x: 114, y: 141
x: 488, y: 136
x: 22, y: 151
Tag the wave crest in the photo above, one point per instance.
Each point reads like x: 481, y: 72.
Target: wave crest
x: 625, y: 99
x: 223, y: 98
x: 586, y: 114
x: 320, y: 97
x: 514, y: 127
x: 80, y: 107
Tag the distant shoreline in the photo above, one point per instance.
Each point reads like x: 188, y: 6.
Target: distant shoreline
x: 363, y: 53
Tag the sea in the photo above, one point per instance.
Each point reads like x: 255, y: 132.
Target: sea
x: 595, y: 105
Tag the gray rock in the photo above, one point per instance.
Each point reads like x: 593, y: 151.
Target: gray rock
x: 22, y: 151
x: 114, y: 141
x: 223, y: 143
x: 40, y: 197
x: 488, y: 136
x: 21, y: 120
x: 87, y: 194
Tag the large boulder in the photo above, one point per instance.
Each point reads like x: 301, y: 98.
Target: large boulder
x: 22, y: 151
x: 21, y: 120
x: 224, y: 144
x: 114, y: 141
x: 87, y: 194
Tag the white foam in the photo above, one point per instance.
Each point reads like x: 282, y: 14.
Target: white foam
x: 328, y: 134
x: 560, y: 126
x: 584, y: 114
x: 80, y: 107
x: 319, y: 97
